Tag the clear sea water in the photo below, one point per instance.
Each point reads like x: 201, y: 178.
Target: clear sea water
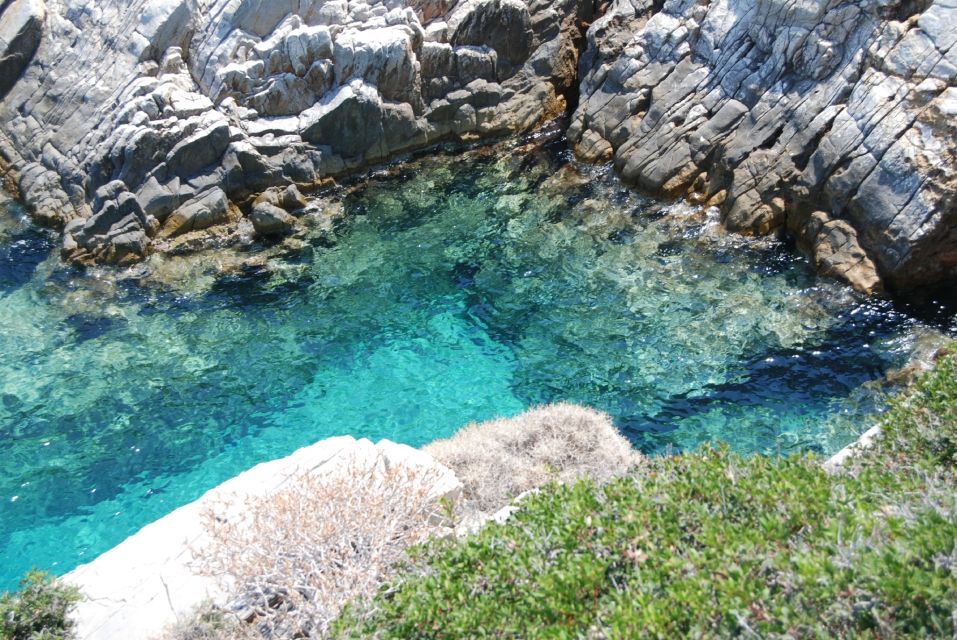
x: 450, y: 290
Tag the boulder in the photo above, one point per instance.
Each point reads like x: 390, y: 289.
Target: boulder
x: 270, y: 220
x: 292, y: 200
x: 475, y: 63
x: 199, y: 150
x: 349, y: 121
x: 837, y: 253
x: 383, y: 58
x: 118, y: 233
x: 205, y: 210
x: 504, y: 26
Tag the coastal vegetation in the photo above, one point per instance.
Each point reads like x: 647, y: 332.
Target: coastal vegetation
x: 703, y: 544
x: 38, y: 610
x: 711, y: 544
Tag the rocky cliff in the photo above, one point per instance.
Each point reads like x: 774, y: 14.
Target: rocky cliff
x: 834, y: 119
x: 134, y: 122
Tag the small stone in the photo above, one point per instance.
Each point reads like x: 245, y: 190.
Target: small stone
x: 270, y: 220
x: 292, y: 199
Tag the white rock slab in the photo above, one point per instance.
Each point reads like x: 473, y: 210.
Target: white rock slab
x: 836, y: 462
x: 149, y: 581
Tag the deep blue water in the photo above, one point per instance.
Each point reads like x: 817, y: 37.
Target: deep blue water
x: 450, y: 290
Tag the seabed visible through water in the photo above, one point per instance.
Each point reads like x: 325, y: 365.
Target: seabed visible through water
x: 430, y: 294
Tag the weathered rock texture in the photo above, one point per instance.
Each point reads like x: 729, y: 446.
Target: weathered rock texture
x: 20, y: 32
x: 834, y: 119
x: 139, y: 121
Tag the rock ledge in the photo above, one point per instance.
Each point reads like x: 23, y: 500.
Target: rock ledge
x: 833, y: 119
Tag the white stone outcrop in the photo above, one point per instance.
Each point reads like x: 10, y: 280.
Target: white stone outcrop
x: 133, y: 110
x: 831, y: 118
x: 837, y: 462
x: 152, y: 579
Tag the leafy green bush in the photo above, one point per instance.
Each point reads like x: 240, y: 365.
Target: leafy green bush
x: 711, y: 545
x: 38, y: 611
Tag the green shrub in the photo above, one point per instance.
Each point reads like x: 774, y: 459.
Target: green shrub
x: 38, y: 611
x: 920, y: 429
x: 711, y: 545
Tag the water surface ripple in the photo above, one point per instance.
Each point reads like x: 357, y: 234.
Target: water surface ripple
x: 451, y: 290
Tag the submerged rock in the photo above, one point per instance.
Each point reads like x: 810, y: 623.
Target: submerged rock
x: 777, y: 110
x: 188, y: 109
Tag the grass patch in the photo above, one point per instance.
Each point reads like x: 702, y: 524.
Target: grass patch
x: 711, y: 545
x: 38, y: 610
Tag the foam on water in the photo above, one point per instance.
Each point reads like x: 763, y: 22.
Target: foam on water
x: 453, y: 289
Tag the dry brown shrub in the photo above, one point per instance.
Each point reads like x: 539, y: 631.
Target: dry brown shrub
x: 498, y: 460
x: 208, y: 622
x: 297, y: 556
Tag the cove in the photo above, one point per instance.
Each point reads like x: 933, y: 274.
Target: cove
x: 451, y: 289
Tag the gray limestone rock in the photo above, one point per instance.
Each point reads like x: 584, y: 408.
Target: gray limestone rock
x: 203, y: 211
x: 270, y: 220
x: 21, y: 28
x: 199, y: 150
x: 348, y: 121
x: 779, y: 109
x: 292, y: 200
x: 118, y: 234
x: 504, y: 26
x: 192, y: 107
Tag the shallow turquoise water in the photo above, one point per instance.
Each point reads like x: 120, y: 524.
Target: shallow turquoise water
x: 451, y: 290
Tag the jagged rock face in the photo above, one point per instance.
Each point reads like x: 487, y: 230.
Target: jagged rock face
x: 832, y: 118
x: 20, y: 32
x: 137, y: 121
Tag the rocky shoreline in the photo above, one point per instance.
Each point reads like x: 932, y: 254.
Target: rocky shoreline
x: 132, y: 126
x: 834, y: 120
x: 129, y: 138
x: 158, y: 579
